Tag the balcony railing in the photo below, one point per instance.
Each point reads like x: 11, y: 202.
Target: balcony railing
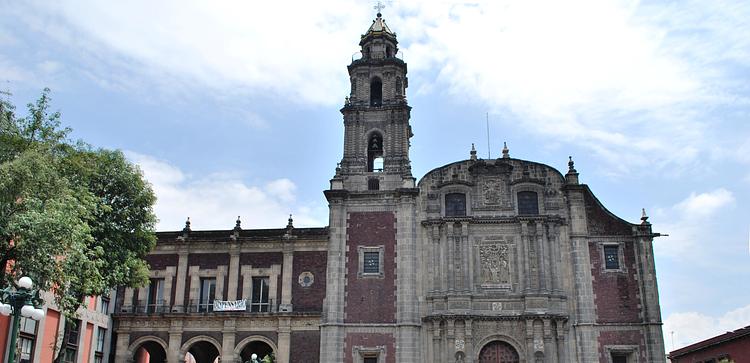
x: 194, y: 307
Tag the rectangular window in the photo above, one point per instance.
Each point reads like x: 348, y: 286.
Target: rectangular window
x: 619, y: 358
x: 27, y: 348
x: 528, y: 203
x: 74, y: 330
x: 70, y: 355
x: 259, y: 298
x: 455, y: 205
x: 373, y: 184
x: 27, y: 338
x: 98, y: 359
x: 611, y: 258
x: 104, y: 306
x: 155, y: 295
x: 370, y: 360
x: 371, y: 263
x: 27, y: 326
x: 208, y: 294
x: 101, y: 333
x: 72, y: 333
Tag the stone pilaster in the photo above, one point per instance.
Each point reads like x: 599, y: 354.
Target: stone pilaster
x: 178, y: 305
x: 234, y: 270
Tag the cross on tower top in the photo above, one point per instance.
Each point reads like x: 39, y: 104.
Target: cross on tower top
x: 379, y: 7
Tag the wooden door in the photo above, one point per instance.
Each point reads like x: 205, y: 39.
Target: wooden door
x: 498, y: 352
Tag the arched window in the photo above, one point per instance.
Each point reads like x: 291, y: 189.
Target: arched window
x: 528, y: 204
x: 375, y: 153
x: 399, y: 87
x: 455, y: 205
x: 388, y: 52
x: 376, y: 92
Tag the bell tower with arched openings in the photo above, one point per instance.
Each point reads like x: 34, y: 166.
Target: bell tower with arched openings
x: 371, y: 310
x: 376, y: 117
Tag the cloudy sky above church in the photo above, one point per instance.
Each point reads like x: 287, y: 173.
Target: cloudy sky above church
x: 231, y: 108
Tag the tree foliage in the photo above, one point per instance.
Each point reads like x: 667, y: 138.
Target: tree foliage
x: 76, y: 219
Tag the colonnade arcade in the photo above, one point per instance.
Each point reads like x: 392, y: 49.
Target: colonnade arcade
x: 199, y: 349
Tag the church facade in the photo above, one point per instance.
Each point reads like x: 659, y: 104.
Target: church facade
x: 501, y: 260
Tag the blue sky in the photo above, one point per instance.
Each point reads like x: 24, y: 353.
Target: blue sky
x: 231, y: 108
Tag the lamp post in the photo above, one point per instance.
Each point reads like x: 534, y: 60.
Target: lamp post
x: 22, y: 300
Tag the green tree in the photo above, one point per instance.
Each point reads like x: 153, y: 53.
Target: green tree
x: 77, y: 220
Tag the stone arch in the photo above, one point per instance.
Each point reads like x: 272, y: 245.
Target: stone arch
x: 185, y: 348
x: 254, y: 338
x: 503, y: 339
x: 375, y: 147
x: 376, y: 91
x: 133, y: 347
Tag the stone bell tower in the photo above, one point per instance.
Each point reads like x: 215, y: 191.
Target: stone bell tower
x: 370, y: 313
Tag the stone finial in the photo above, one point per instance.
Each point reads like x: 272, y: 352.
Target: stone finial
x: 572, y: 176
x: 506, y: 152
x: 290, y: 223
x: 237, y: 224
x: 473, y: 152
x: 187, y: 226
x: 571, y: 169
x: 644, y: 217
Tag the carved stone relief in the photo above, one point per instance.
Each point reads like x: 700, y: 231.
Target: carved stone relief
x: 493, y: 191
x: 494, y: 262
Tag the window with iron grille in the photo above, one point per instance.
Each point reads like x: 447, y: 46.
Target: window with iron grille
x: 455, y: 205
x: 528, y: 204
x: 612, y: 257
x: 371, y: 263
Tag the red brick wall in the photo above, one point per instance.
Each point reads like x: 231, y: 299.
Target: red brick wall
x: 261, y: 259
x: 309, y: 298
x: 369, y: 341
x: 371, y: 299
x: 160, y: 262
x: 622, y: 337
x: 305, y: 347
x: 616, y: 293
x: 208, y: 260
x: 736, y: 349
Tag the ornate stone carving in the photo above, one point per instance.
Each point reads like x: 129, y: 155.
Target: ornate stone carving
x: 306, y: 279
x: 495, y: 264
x: 493, y: 191
x: 460, y: 344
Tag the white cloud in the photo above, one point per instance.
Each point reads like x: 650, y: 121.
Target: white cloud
x: 704, y: 204
x: 214, y: 201
x: 295, y: 50
x: 627, y: 80
x: 688, y: 224
x: 692, y: 327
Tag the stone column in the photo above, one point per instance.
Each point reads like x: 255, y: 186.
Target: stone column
x: 228, y: 342
x: 123, y: 338
x: 284, y: 340
x: 234, y: 269
x: 286, y: 277
x: 585, y: 336
x: 550, y: 348
x: 525, y: 280
x: 331, y: 330
x: 175, y: 343
x: 178, y: 305
x: 651, y: 310
x: 407, y: 303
